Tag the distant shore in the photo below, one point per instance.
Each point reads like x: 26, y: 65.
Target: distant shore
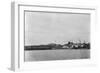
x: 51, y: 46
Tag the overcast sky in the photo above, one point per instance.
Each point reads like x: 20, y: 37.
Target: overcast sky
x: 44, y: 27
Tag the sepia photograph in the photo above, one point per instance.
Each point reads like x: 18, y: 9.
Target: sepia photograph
x: 56, y: 36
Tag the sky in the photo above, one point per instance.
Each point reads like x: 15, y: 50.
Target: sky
x: 46, y: 27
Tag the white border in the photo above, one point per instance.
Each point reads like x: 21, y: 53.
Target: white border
x: 18, y: 36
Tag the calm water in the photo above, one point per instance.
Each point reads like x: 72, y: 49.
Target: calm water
x: 44, y: 55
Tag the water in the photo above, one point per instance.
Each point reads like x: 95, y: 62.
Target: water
x: 44, y: 55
